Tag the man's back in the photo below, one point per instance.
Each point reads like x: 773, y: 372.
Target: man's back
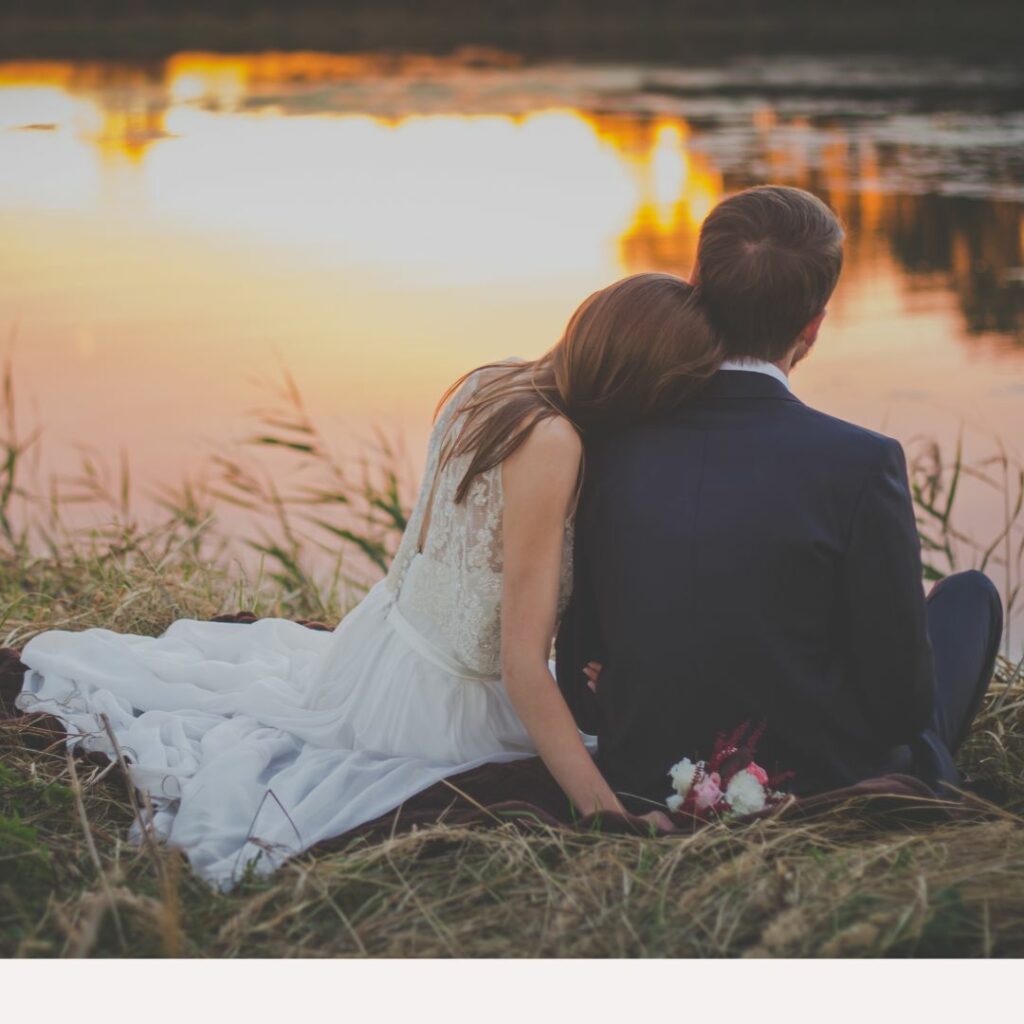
x: 750, y: 559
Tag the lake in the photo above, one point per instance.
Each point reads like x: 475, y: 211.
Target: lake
x: 176, y: 232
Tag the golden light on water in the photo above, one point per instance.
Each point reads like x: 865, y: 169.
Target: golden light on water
x: 45, y: 108
x: 191, y: 77
x: 455, y: 197
x: 164, y: 244
x: 169, y: 229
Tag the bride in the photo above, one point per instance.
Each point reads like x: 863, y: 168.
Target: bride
x: 255, y: 741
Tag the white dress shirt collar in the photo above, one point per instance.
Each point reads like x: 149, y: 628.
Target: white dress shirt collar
x: 757, y: 366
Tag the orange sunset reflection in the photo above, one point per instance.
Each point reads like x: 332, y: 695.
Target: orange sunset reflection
x: 382, y: 223
x: 388, y: 189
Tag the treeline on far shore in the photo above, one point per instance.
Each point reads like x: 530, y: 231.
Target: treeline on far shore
x: 665, y: 30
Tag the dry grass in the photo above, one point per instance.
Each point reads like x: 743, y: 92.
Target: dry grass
x: 848, y: 884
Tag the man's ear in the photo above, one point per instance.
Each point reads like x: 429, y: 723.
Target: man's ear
x: 809, y: 335
x: 806, y: 339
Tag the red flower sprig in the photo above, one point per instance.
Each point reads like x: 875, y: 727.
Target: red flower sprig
x: 729, y: 782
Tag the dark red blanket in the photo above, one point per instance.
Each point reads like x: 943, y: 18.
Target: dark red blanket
x: 524, y: 792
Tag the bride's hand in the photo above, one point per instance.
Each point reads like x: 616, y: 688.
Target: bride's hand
x: 592, y: 670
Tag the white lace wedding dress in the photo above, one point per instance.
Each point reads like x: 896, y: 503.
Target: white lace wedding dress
x: 256, y: 741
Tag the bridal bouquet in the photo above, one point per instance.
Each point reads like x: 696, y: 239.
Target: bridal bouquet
x: 729, y: 784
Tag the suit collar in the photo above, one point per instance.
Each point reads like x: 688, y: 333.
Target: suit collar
x: 747, y: 384
x: 756, y: 366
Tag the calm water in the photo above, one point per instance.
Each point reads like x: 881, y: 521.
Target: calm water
x: 173, y: 231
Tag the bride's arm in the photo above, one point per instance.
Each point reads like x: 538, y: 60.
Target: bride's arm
x: 539, y: 481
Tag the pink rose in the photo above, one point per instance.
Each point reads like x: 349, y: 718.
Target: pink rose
x: 758, y: 772
x: 708, y: 791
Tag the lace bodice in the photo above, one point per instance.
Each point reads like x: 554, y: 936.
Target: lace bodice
x: 450, y: 591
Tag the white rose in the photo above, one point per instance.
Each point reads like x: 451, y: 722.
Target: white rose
x: 682, y: 775
x: 745, y: 794
x: 674, y: 802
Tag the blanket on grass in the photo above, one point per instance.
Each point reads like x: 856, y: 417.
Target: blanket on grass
x: 524, y: 792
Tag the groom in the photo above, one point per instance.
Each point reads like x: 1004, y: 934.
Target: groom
x: 753, y: 559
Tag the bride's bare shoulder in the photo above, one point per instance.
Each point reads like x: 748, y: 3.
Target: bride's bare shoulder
x: 553, y: 444
x: 557, y: 434
x: 540, y: 477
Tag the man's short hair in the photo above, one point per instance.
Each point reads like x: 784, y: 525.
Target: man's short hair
x: 768, y: 260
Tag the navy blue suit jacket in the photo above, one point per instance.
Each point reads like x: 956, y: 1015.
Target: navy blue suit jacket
x: 748, y: 559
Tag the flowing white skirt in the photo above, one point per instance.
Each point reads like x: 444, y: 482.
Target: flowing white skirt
x: 256, y: 741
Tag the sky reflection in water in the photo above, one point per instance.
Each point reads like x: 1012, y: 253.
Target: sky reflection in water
x: 381, y: 225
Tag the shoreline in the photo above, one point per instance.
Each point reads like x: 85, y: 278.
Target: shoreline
x: 684, y: 32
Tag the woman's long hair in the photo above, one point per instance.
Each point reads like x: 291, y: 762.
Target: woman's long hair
x: 630, y: 352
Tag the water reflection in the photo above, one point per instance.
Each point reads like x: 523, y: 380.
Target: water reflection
x: 457, y: 196
x: 978, y: 247
x: 389, y: 220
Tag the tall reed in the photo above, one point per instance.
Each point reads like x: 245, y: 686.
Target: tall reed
x: 282, y: 513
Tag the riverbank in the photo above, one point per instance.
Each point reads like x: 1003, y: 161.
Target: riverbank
x: 682, y: 31
x: 854, y: 882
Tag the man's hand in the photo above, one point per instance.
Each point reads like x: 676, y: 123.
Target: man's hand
x: 659, y: 820
x: 592, y: 671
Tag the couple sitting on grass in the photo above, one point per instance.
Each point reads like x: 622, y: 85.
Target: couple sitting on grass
x: 708, y: 550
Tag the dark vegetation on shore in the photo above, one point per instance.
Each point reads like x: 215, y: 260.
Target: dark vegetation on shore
x: 673, y: 30
x: 851, y: 883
